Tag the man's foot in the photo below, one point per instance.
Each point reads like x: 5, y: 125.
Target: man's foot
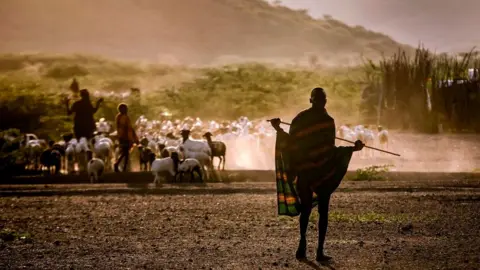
x: 115, y: 168
x: 301, y: 254
x: 323, y: 258
x: 301, y: 251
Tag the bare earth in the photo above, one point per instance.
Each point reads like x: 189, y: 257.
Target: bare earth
x: 396, y: 224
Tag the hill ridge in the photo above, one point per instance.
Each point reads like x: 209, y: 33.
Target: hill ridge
x: 182, y: 30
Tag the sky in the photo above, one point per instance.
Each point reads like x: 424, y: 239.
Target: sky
x: 444, y: 25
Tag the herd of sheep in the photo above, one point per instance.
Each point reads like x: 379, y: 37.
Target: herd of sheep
x: 367, y: 135
x: 160, y: 151
x: 169, y: 156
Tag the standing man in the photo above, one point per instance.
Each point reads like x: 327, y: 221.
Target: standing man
x: 126, y: 136
x: 83, y: 121
x: 310, y: 156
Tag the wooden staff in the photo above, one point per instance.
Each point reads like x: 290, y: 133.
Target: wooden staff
x: 341, y: 139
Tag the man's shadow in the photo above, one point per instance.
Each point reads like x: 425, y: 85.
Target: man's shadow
x: 322, y: 265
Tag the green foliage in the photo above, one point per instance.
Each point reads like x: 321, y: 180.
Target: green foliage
x: 372, y: 173
x: 408, y: 87
x: 8, y: 235
x: 32, y: 101
x: 366, y: 217
x: 11, y: 156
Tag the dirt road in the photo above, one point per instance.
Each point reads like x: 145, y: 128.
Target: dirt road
x: 404, y: 224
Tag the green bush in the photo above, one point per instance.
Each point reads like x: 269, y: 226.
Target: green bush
x: 372, y: 173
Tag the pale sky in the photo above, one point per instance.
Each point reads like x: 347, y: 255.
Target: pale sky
x: 444, y: 25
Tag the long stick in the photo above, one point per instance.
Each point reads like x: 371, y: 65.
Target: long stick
x: 341, y: 139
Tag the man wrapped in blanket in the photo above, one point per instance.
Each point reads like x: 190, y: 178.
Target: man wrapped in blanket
x: 309, y: 168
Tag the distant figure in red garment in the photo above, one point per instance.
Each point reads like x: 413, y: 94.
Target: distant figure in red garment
x: 126, y: 136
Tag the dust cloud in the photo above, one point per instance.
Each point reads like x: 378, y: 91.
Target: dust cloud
x: 419, y: 153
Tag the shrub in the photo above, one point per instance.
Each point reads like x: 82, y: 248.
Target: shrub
x: 372, y: 173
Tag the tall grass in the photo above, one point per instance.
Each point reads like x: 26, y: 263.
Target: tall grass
x: 413, y: 92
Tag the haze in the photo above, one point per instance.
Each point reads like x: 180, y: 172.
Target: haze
x: 443, y: 25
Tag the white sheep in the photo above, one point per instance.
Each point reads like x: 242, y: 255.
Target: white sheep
x: 103, y: 126
x: 34, y: 149
x: 171, y: 140
x: 368, y: 139
x: 81, y: 153
x: 95, y: 167
x: 359, y: 132
x: 346, y: 133
x: 165, y: 168
x: 190, y: 165
x: 197, y: 146
x: 104, y: 151
x: 204, y: 159
x: 70, y: 152
x: 383, y: 139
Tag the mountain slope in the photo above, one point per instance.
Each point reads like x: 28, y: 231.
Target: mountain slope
x: 441, y: 25
x: 192, y: 31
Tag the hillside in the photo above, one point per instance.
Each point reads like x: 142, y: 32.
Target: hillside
x: 449, y: 26
x: 188, y: 31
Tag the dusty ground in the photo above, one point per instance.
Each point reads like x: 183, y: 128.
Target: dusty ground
x: 396, y: 224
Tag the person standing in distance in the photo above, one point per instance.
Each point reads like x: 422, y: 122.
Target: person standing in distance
x: 83, y: 121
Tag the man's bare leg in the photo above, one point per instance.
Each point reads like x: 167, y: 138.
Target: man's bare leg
x: 323, y: 206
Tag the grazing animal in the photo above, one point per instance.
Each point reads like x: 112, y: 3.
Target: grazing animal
x: 81, y: 149
x: 204, y: 159
x: 104, y: 150
x: 369, y: 139
x: 103, y: 126
x: 218, y: 149
x: 51, y: 158
x: 34, y: 148
x: 164, y: 152
x: 190, y: 165
x: 165, y: 168
x: 95, y: 167
x: 171, y: 140
x: 346, y: 133
x: 359, y: 132
x: 194, y: 145
x: 146, y: 158
x: 60, y: 147
x: 70, y: 153
x: 382, y: 136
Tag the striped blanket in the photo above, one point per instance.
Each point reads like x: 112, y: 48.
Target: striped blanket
x: 287, y: 198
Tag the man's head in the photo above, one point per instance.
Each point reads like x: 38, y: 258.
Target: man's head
x: 123, y: 108
x: 84, y: 94
x: 318, y: 98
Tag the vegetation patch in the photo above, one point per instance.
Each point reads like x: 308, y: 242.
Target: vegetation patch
x: 366, y: 217
x: 31, y: 100
x: 8, y: 235
x: 372, y: 173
